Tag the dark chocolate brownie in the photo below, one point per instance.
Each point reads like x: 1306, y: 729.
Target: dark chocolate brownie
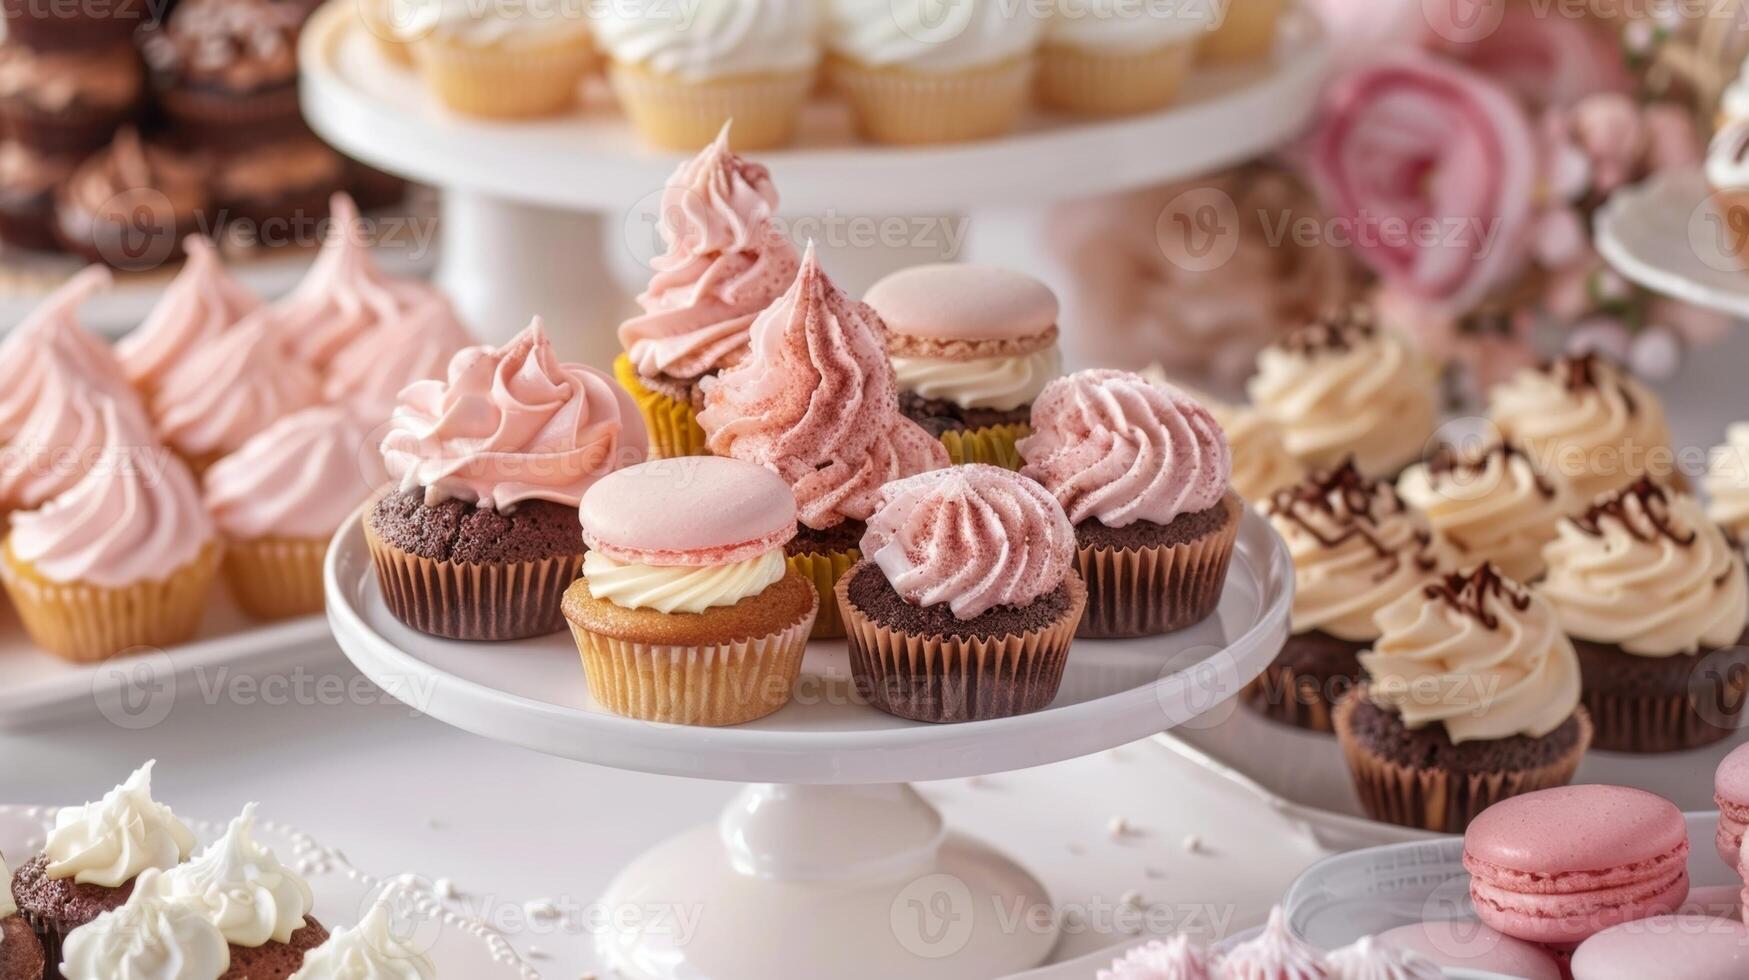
x: 21, y: 953
x: 275, y: 961
x: 845, y: 536
x: 871, y: 593
x: 938, y: 416
x: 1184, y: 529
x: 1663, y: 704
x: 1383, y: 734
x: 457, y: 531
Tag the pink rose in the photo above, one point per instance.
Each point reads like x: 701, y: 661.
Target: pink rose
x: 1544, y: 57
x: 1609, y: 130
x: 1429, y: 170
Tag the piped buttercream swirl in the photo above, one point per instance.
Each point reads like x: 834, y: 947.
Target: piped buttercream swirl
x: 202, y: 302
x: 1585, y: 420
x: 1490, y: 505
x: 54, y: 326
x: 298, y: 478
x: 1174, y: 959
x: 240, y: 886
x: 713, y: 39
x: 416, y: 345
x: 1274, y: 955
x: 62, y: 438
x: 369, y: 951
x: 111, y: 841
x: 921, y: 37
x: 234, y: 386
x: 1369, y: 959
x: 147, y: 938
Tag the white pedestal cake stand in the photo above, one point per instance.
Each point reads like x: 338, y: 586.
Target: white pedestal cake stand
x: 829, y: 864
x: 538, y: 214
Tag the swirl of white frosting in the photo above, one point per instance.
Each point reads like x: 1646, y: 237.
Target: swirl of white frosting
x: 241, y: 886
x: 370, y: 951
x: 525, y: 22
x: 8, y: 906
x: 111, y: 841
x: 712, y: 39
x: 1261, y: 463
x: 1274, y: 955
x: 925, y: 36
x: 1585, y: 420
x: 1727, y: 482
x: 999, y: 383
x: 680, y: 588
x: 1616, y: 577
x: 1125, y: 25
x: 148, y: 938
x: 1370, y: 959
x: 1492, y: 506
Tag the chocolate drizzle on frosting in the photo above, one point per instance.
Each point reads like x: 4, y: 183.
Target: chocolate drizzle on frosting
x: 1654, y: 505
x: 1448, y: 461
x: 1468, y: 594
x: 1590, y: 372
x: 1333, y: 332
x: 1347, y: 498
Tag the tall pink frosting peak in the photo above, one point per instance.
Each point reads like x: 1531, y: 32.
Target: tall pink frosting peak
x: 815, y: 401
x: 510, y: 424
x: 726, y: 261
x: 62, y: 436
x: 202, y: 302
x: 970, y: 537
x: 415, y: 345
x: 300, y: 477
x: 230, y: 388
x: 1116, y: 448
x: 54, y: 327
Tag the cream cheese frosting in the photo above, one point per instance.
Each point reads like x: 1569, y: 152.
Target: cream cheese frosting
x: 923, y: 36
x: 1480, y: 654
x: 147, y: 939
x: 999, y: 383
x: 681, y: 588
x: 712, y: 38
x: 369, y: 951
x: 202, y: 302
x: 227, y: 390
x: 1126, y: 26
x: 300, y: 477
x: 1645, y: 570
x: 111, y: 841
x: 1491, y: 505
x: 240, y: 886
x: 1727, y: 482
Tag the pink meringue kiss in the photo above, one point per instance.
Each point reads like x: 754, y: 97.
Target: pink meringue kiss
x: 54, y: 324
x: 203, y: 301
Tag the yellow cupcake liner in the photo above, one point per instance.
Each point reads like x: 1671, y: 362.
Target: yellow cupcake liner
x: 993, y: 445
x: 1104, y: 84
x: 276, y: 578
x: 506, y: 81
x: 824, y: 570
x: 678, y: 114
x: 88, y: 623
x: 902, y: 107
x: 673, y: 426
x: 1246, y: 33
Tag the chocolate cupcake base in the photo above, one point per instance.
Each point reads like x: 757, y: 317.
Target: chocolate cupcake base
x: 275, y: 961
x: 21, y: 953
x: 1663, y: 704
x: 54, y: 907
x: 1311, y: 675
x: 1147, y: 579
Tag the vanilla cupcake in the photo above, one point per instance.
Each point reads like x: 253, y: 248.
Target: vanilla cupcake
x: 1490, y: 505
x: 682, y: 75
x: 918, y: 74
x: 1243, y: 30
x: 1113, y: 57
x: 1727, y: 482
x: 202, y: 302
x: 1343, y: 387
x: 230, y: 388
x: 501, y: 61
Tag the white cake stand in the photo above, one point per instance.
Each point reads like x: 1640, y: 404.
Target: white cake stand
x: 829, y: 864
x: 1668, y: 235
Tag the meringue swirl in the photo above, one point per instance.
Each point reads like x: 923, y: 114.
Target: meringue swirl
x: 416, y: 345
x: 1727, y: 482
x: 240, y: 886
x: 1114, y: 448
x: 1274, y: 955
x: 970, y: 537
x: 218, y: 396
x: 370, y: 951
x: 146, y: 939
x: 999, y: 383
x: 202, y: 302
x: 111, y: 841
x: 680, y: 588
x: 1490, y: 506
x: 1585, y: 420
x: 298, y: 478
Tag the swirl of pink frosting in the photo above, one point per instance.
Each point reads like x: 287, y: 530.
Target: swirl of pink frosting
x: 1276, y: 954
x: 53, y: 329
x: 417, y: 345
x: 133, y: 515
x: 973, y: 537
x: 511, y: 424
x: 202, y: 302
x: 725, y: 262
x: 300, y: 477
x: 234, y: 386
x: 59, y: 440
x: 1117, y: 449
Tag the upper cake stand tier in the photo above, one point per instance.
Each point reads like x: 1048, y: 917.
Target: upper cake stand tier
x: 593, y: 161
x: 1669, y: 235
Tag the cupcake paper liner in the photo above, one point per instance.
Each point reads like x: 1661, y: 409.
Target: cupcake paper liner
x: 672, y: 425
x: 1110, y: 84
x: 1652, y: 721
x: 937, y: 678
x: 1435, y: 799
x: 233, y: 120
x: 902, y: 107
x: 1149, y: 591
x: 678, y: 114
x: 825, y: 570
x: 1283, y: 695
x: 276, y: 578
x: 992, y: 444
x: 505, y: 82
x: 1247, y: 32
x: 89, y: 623
x: 468, y: 601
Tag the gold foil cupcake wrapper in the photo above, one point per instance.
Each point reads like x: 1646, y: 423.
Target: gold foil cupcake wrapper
x: 901, y: 107
x: 503, y: 81
x: 88, y: 623
x: 672, y: 425
x: 992, y: 444
x: 468, y: 601
x: 1149, y: 591
x: 677, y: 114
x: 825, y: 570
x: 1112, y: 84
x: 276, y: 578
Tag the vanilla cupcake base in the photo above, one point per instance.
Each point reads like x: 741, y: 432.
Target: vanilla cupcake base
x: 678, y: 114
x: 88, y: 623
x: 1102, y: 83
x: 505, y: 81
x: 897, y: 106
x: 276, y: 578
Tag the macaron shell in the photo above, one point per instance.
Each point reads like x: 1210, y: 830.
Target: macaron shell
x: 1531, y: 842
x: 1673, y: 947
x: 1731, y: 793
x: 954, y: 301
x: 691, y: 511
x: 1733, y: 820
x: 1470, y: 945
x: 1577, y: 915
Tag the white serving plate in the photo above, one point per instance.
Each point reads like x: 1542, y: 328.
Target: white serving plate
x: 463, y: 948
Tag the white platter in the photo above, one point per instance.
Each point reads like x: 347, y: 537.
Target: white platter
x: 1668, y: 235
x: 462, y: 948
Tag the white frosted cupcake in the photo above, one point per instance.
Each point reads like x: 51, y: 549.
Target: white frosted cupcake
x: 681, y: 74
x: 1112, y: 57
x: 1491, y: 504
x: 503, y: 60
x: 917, y: 72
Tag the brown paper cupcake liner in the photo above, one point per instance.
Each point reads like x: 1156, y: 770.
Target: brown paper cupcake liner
x: 941, y: 679
x: 672, y: 425
x: 505, y: 82
x: 1107, y: 84
x: 1707, y: 711
x: 993, y: 445
x: 88, y: 623
x: 902, y: 107
x: 1435, y: 799
x: 1149, y: 591
x: 468, y: 601
x: 1283, y: 695
x: 728, y: 683
x: 276, y: 578
x: 825, y: 570
x: 683, y: 115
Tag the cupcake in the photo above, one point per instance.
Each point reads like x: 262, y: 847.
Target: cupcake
x: 479, y: 537
x: 226, y: 390
x: 971, y: 347
x: 1586, y: 421
x: 226, y: 71
x: 915, y: 76
x: 1274, y: 954
x: 373, y: 948
x: 1471, y: 696
x: 1727, y: 482
x: 1261, y: 463
x: 1655, y: 598
x: 1243, y: 30
x: 1344, y: 387
x: 417, y: 345
x: 122, y: 558
x: 1141, y: 470
x: 144, y: 935
x: 68, y: 102
x: 815, y: 402
x: 21, y: 953
x: 27, y: 195
x: 92, y: 857
x: 967, y: 601
x: 61, y: 437
x: 272, y: 193
x: 687, y: 612
x: 1491, y: 504
x: 52, y: 330
x: 1112, y: 58
x: 1356, y: 548
x: 726, y: 261
x: 131, y: 205
x: 200, y: 304
x: 502, y: 61
x: 278, y: 500
x: 681, y: 76
x: 72, y: 26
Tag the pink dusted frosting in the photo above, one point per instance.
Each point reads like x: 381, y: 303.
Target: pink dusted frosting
x: 134, y: 515
x: 234, y: 386
x: 54, y: 326
x: 415, y: 346
x: 61, y: 439
x: 1274, y: 955
x: 815, y: 400
x: 971, y: 537
x: 511, y: 424
x: 1117, y: 449
x: 300, y: 477
x: 1175, y: 959
x: 202, y: 302
x: 725, y: 262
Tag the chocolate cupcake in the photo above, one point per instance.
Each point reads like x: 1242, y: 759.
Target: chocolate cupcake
x: 1490, y: 504
x: 1356, y: 548
x: 27, y: 195
x: 1656, y: 599
x: 131, y: 205
x: 142, y: 934
x: 967, y: 602
x: 68, y: 102
x: 277, y: 193
x: 226, y: 71
x: 1142, y: 471
x: 21, y: 953
x: 73, y: 26
x: 482, y: 537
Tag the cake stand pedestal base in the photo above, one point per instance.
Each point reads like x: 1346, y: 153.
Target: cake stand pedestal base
x: 848, y: 882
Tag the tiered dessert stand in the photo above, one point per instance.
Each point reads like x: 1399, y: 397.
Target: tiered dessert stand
x: 828, y: 865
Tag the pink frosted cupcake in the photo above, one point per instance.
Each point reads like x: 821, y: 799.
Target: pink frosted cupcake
x: 202, y: 302
x: 228, y: 389
x: 369, y: 373
x: 815, y: 401
x: 53, y: 328
x: 726, y: 261
x: 62, y: 437
x: 1142, y: 471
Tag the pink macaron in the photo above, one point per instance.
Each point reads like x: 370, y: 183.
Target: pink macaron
x: 958, y: 301
x: 1470, y: 945
x: 700, y: 511
x: 1560, y: 865
x: 1731, y: 793
x: 1666, y: 947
